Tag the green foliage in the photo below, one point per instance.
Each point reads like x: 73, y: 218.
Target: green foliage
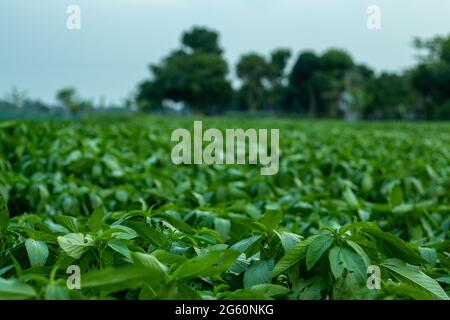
x: 103, y: 195
x: 431, y: 77
x: 37, y: 252
x: 416, y: 276
x: 317, y: 248
x: 195, y: 75
x: 263, y: 86
x: 329, y: 84
x: 14, y: 289
x: 4, y: 216
x: 202, y: 39
x: 344, y: 258
x: 253, y: 70
x: 75, y: 244
x: 391, y: 96
x: 318, y: 82
x: 68, y: 99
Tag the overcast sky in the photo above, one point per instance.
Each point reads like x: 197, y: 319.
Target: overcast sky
x: 120, y: 38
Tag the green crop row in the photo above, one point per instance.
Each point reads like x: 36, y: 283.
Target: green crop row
x: 102, y: 196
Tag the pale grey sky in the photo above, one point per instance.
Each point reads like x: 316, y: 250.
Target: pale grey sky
x: 120, y: 38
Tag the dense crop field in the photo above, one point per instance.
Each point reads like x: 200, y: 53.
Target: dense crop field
x: 104, y: 195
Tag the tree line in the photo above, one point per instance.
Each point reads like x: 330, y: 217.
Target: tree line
x: 197, y: 77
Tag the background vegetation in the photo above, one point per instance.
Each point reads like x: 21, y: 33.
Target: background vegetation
x: 196, y: 79
x: 103, y: 194
x: 330, y: 84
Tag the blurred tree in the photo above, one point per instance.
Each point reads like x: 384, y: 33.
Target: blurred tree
x: 433, y: 50
x: 330, y: 84
x: 195, y: 75
x: 279, y: 59
x: 263, y: 80
x: 17, y: 97
x: 149, y: 96
x: 278, y: 95
x: 304, y: 81
x: 318, y: 82
x: 359, y: 79
x: 129, y: 102
x: 255, y: 72
x: 431, y: 78
x: 392, y: 97
x: 69, y: 101
x: 336, y: 66
x: 202, y: 39
x: 66, y: 97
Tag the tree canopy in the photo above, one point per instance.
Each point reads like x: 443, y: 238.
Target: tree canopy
x: 195, y: 75
x: 329, y: 84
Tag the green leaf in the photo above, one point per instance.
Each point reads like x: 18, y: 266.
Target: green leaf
x: 56, y: 292
x: 415, y: 275
x: 168, y: 258
x: 407, y: 289
x: 122, y: 195
x: 4, y: 215
x: 392, y: 245
x: 359, y: 251
x: 258, y: 292
x: 223, y: 227
x: 346, y: 287
x: 16, y: 264
x: 241, y: 264
x: 176, y: 223
x: 317, y: 248
x: 128, y: 276
x: 272, y: 218
x: 297, y: 253
x: 403, y: 208
x: 309, y: 289
x: 147, y: 232
x: 288, y: 240
x: 122, y: 232
x: 443, y: 279
x: 396, y: 195
x: 350, y: 198
x: 258, y: 273
x: 37, y: 252
x: 244, y: 244
x: 68, y: 222
x: 6, y: 269
x: 73, y: 157
x: 271, y: 290
x: 367, y: 182
x: 336, y: 264
x: 210, y: 263
x: 95, y: 220
x: 149, y: 261
x: 121, y: 247
x: 429, y: 254
x: 13, y: 289
x: 75, y: 244
x: 177, y: 290
x: 343, y: 257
